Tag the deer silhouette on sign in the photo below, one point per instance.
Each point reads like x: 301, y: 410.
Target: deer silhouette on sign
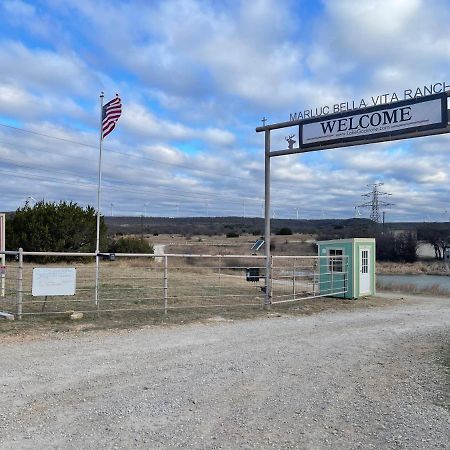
x: 290, y: 141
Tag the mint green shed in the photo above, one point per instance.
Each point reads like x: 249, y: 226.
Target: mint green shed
x: 347, y: 267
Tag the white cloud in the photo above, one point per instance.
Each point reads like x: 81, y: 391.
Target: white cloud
x: 43, y: 69
x: 20, y: 103
x: 138, y: 119
x: 25, y: 15
x: 391, y: 44
x: 196, y: 77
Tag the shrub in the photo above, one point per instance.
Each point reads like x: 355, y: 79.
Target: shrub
x: 232, y: 234
x: 396, y: 248
x: 56, y: 227
x: 285, y: 231
x: 130, y: 245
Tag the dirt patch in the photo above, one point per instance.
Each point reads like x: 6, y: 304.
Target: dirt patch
x: 33, y: 327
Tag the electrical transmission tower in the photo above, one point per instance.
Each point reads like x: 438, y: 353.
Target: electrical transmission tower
x: 375, y: 203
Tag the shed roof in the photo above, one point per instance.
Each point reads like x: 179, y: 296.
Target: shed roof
x: 348, y: 241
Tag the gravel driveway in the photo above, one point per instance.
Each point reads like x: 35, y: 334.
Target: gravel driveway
x: 361, y: 379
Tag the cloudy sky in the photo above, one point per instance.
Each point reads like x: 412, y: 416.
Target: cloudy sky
x: 196, y: 78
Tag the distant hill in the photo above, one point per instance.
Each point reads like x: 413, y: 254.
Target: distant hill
x: 224, y: 225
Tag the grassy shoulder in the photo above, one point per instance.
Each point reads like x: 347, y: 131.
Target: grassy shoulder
x: 425, y: 267
x: 36, y: 327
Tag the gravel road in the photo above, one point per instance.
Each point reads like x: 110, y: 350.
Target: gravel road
x: 354, y: 380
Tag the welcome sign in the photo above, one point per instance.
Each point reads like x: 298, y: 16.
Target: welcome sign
x: 394, y: 119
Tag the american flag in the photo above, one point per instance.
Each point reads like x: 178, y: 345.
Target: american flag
x: 110, y: 115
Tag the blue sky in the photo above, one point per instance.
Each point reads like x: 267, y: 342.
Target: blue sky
x: 196, y: 78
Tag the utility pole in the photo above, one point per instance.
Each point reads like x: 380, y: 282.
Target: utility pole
x: 375, y: 203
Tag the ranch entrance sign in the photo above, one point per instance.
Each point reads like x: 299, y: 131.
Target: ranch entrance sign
x: 395, y: 119
x: 410, y: 118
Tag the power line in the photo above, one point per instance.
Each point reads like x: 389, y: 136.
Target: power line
x: 193, y: 196
x: 133, y: 155
x: 125, y: 187
x: 122, y: 186
x: 109, y: 150
x: 169, y: 193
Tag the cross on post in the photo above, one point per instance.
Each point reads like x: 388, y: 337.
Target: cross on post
x: 264, y: 120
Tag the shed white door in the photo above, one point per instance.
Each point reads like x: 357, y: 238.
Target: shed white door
x: 364, y: 271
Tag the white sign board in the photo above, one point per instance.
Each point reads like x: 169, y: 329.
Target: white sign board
x: 425, y: 113
x: 53, y: 281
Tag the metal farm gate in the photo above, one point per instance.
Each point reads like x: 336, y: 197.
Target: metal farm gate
x: 140, y: 282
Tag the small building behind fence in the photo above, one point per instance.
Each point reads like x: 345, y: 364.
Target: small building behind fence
x: 347, y: 267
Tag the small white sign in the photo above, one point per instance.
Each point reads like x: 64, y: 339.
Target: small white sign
x: 53, y: 281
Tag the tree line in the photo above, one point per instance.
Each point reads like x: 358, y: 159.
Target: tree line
x: 64, y: 227
x: 68, y: 227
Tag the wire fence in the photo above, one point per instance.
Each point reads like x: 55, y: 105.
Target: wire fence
x: 139, y: 282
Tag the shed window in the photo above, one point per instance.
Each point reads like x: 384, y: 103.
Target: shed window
x: 335, y: 260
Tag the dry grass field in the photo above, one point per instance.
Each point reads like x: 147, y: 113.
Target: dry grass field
x: 295, y: 244
x: 132, y: 291
x: 139, y: 284
x: 135, y: 291
x: 426, y: 267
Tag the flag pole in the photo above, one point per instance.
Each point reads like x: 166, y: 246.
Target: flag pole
x: 97, y: 243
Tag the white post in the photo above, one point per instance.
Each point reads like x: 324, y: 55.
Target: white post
x: 2, y: 248
x: 166, y: 284
x: 97, y: 243
x: 19, y: 295
x: 293, y: 279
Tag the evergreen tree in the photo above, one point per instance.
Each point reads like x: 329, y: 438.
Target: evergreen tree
x: 55, y: 227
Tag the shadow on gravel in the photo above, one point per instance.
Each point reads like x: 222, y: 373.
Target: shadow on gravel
x: 444, y: 359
